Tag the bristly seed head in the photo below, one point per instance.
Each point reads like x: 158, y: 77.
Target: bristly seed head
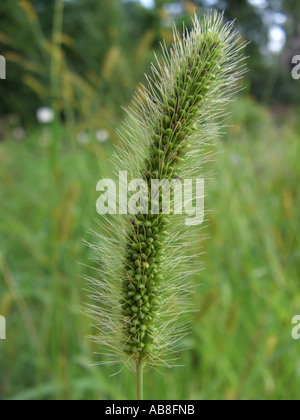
x: 143, y: 287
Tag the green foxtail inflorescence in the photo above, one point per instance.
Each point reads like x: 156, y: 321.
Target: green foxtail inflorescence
x: 145, y: 261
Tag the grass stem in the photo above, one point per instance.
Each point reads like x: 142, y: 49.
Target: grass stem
x: 139, y: 380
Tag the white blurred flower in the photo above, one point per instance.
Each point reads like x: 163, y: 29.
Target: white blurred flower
x: 102, y: 135
x: 18, y: 133
x: 45, y: 115
x: 82, y: 137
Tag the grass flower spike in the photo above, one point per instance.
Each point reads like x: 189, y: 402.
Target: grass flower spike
x: 142, y: 288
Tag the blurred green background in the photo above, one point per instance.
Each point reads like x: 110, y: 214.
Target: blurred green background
x: 71, y: 65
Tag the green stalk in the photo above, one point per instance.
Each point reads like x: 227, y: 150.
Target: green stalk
x: 139, y: 380
x: 56, y: 58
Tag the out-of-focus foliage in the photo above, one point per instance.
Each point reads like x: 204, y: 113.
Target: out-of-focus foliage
x: 77, y: 56
x: 83, y: 57
x: 241, y: 345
